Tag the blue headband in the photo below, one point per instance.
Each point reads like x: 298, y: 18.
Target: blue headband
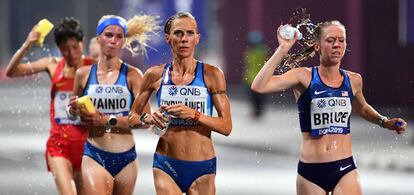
x: 111, y: 21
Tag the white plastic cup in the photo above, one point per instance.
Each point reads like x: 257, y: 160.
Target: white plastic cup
x: 160, y: 132
x: 288, y: 32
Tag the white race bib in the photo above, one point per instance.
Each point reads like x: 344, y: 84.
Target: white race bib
x: 330, y: 115
x: 110, y: 98
x: 194, y: 97
x: 61, y: 101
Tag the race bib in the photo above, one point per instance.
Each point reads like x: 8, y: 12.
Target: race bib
x: 110, y: 98
x: 194, y: 97
x: 61, y: 101
x: 330, y: 115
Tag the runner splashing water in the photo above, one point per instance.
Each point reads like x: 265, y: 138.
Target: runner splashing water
x: 305, y: 49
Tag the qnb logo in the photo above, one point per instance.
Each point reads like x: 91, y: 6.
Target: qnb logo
x: 173, y: 91
x: 190, y: 91
x: 337, y: 102
x: 110, y: 89
x: 321, y: 103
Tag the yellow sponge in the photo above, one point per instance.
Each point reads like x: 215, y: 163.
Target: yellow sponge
x: 44, y: 27
x: 86, y: 102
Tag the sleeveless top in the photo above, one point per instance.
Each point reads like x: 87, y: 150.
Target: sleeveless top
x: 114, y: 98
x: 194, y: 95
x: 61, y: 90
x: 323, y: 109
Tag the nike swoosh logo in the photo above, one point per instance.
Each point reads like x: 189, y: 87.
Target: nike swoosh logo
x: 343, y: 168
x: 319, y: 92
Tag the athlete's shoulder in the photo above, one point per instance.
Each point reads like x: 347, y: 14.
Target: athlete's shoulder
x: 300, y: 73
x: 83, y: 71
x: 303, y: 70
x: 134, y: 71
x: 355, y: 79
x: 154, y: 73
x: 53, y: 60
x: 50, y: 62
x: 353, y: 76
x: 212, y: 70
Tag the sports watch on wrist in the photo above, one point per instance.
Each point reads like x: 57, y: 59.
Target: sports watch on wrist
x: 381, y: 121
x: 143, y: 117
x: 112, y: 121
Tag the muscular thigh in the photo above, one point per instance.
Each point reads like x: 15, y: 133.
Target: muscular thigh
x: 95, y: 178
x: 306, y: 187
x: 62, y: 171
x: 126, y: 179
x: 60, y: 165
x: 349, y: 184
x: 204, y: 185
x: 164, y: 184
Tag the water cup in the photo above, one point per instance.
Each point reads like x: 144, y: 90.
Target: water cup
x: 44, y: 27
x: 86, y: 103
x: 160, y: 132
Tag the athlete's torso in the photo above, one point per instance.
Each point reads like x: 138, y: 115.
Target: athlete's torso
x: 323, y: 109
x: 324, y: 120
x: 186, y: 139
x: 61, y: 89
x: 114, y: 98
x: 194, y: 95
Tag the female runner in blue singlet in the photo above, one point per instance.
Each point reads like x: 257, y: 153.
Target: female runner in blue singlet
x: 325, y: 95
x: 109, y: 163
x: 187, y: 90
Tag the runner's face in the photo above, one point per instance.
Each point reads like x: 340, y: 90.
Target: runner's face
x: 332, y: 44
x: 111, y: 40
x: 71, y: 50
x: 183, y: 37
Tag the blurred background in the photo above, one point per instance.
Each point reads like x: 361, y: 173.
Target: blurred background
x: 260, y: 156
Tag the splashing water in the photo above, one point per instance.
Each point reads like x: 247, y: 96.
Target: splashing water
x: 305, y: 49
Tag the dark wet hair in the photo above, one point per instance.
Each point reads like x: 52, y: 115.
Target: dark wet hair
x: 178, y: 15
x: 68, y: 28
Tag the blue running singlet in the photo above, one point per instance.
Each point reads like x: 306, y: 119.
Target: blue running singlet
x: 113, y: 98
x: 194, y: 95
x: 323, y: 109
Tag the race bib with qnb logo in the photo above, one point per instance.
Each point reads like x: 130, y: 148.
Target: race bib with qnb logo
x: 110, y: 99
x: 61, y: 101
x: 194, y: 97
x: 330, y: 115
